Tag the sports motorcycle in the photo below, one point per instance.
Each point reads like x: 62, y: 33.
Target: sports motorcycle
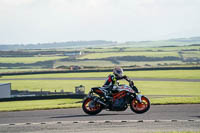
x: 123, y: 96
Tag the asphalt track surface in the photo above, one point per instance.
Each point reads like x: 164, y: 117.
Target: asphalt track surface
x: 185, y: 117
x: 103, y: 78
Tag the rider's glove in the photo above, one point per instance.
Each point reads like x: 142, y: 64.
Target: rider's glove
x: 126, y: 77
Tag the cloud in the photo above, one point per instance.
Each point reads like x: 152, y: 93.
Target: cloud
x: 6, y: 4
x: 120, y: 20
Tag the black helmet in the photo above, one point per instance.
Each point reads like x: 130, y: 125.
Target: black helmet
x: 118, y: 71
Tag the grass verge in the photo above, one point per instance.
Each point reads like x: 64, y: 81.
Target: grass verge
x: 146, y: 87
x: 39, y: 104
x: 74, y: 103
x: 175, y: 100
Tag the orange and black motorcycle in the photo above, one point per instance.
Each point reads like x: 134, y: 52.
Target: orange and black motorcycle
x: 125, y: 95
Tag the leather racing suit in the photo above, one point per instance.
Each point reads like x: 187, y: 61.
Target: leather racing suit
x: 111, y: 83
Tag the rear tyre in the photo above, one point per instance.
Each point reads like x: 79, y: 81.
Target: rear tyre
x: 90, y: 107
x: 140, y: 107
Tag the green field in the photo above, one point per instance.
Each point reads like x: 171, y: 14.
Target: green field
x: 27, y: 60
x: 115, y: 54
x: 141, y: 49
x: 175, y: 100
x: 21, y: 70
x: 146, y: 87
x: 103, y: 57
x: 155, y: 49
x: 39, y: 104
x: 105, y: 63
x: 94, y: 63
x: 159, y: 92
x: 177, y: 74
x: 191, y: 54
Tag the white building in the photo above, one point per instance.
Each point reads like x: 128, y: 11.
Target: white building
x: 5, y: 90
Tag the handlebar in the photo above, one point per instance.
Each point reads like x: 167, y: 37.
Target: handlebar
x: 135, y: 89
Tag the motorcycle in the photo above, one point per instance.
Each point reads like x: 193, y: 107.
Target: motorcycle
x: 125, y: 95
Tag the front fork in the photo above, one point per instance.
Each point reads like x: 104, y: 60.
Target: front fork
x: 138, y: 97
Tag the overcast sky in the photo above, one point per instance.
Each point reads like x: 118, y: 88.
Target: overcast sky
x: 39, y: 21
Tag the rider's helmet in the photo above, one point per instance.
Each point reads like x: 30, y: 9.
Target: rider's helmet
x: 118, y: 71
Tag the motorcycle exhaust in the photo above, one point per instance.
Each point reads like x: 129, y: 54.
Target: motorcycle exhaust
x: 99, y: 101
x: 96, y: 99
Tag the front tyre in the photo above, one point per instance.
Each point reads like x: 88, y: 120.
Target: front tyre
x: 91, y: 107
x: 140, y: 107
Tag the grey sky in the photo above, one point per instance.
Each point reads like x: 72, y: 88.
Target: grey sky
x: 39, y: 21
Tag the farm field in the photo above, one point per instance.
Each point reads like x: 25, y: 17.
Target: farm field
x: 146, y: 87
x: 173, y: 56
x: 138, y: 49
x: 107, y: 63
x: 114, y: 54
x: 191, y: 54
x: 27, y: 60
x: 159, y: 92
x: 94, y: 63
x: 155, y: 49
x: 21, y: 70
x: 177, y: 74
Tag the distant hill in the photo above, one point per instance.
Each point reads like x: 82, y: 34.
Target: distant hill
x: 72, y: 44
x: 101, y: 43
x: 192, y: 39
x: 170, y: 42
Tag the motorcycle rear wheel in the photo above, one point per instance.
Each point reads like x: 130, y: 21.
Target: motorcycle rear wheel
x: 90, y: 107
x: 140, y: 107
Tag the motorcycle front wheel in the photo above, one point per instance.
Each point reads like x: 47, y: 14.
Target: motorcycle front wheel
x: 91, y: 107
x: 140, y: 107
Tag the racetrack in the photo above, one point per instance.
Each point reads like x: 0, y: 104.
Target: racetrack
x: 185, y: 117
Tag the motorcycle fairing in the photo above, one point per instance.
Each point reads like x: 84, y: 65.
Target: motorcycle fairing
x: 125, y: 88
x: 119, y: 95
x: 98, y: 91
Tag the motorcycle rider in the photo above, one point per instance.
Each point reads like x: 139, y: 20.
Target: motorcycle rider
x: 111, y: 82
